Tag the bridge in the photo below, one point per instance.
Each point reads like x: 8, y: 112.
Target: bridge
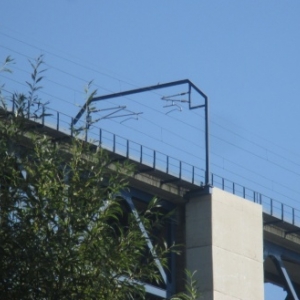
x: 235, y: 238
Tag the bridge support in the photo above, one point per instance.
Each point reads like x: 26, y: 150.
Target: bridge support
x: 287, y: 278
x: 224, y: 240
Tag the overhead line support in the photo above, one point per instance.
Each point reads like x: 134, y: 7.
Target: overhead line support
x: 156, y: 87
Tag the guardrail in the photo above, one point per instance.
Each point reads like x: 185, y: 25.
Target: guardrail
x: 271, y: 206
x: 164, y: 163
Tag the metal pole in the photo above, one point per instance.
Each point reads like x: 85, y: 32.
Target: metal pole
x: 155, y: 87
x: 207, y: 159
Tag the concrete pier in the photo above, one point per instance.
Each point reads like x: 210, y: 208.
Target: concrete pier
x: 224, y: 244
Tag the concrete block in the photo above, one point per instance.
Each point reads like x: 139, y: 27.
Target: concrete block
x: 198, y: 222
x: 200, y: 260
x: 236, y: 275
x: 224, y: 240
x: 237, y: 225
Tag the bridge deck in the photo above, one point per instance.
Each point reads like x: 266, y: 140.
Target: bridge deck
x: 280, y: 227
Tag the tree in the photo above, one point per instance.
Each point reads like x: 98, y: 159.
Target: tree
x: 64, y: 232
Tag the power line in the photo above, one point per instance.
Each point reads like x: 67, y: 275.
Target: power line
x: 153, y: 123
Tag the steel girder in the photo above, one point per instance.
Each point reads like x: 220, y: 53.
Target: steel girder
x: 280, y: 257
x: 168, y: 279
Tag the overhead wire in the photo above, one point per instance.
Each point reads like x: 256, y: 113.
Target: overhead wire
x: 192, y: 154
x: 45, y: 93
x: 65, y: 58
x: 187, y: 124
x: 257, y: 145
x: 75, y: 76
x: 250, y: 180
x: 118, y: 79
x: 191, y: 126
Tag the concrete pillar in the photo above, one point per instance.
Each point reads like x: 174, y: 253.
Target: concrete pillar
x: 224, y: 240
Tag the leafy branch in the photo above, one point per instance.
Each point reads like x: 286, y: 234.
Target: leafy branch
x: 191, y: 288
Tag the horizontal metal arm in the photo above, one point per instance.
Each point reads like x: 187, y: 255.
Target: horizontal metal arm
x: 135, y: 91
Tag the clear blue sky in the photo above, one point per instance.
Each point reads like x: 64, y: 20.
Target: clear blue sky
x: 243, y: 54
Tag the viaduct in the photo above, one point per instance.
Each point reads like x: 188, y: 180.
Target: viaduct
x: 234, y: 238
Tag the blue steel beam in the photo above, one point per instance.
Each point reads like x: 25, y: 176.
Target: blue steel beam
x: 276, y: 250
x: 277, y: 254
x: 168, y: 277
x: 285, y: 276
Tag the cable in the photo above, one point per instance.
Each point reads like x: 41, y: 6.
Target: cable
x: 64, y: 58
x: 258, y: 145
x: 133, y: 100
x: 254, y: 154
x: 151, y: 122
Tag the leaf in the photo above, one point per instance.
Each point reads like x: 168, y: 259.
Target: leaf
x: 39, y: 79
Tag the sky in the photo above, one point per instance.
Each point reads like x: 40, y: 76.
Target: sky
x: 244, y: 55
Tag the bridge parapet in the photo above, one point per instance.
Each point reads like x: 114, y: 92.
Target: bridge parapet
x: 173, y: 180
x: 167, y: 169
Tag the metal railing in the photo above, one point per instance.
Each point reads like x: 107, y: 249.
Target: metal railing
x: 271, y: 206
x: 165, y: 163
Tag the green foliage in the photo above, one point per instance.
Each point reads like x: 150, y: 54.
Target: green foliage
x: 27, y: 105
x: 64, y: 232
x: 4, y: 68
x: 190, y: 287
x: 60, y: 232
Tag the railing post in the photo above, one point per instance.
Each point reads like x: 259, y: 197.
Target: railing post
x: 28, y: 112
x: 244, y: 192
x: 72, y: 127
x: 13, y: 105
x: 282, y: 211
x: 154, y: 159
x: 193, y: 175
x: 271, y: 208
x: 43, y: 118
x: 167, y: 169
x: 260, y: 199
x: 114, y: 143
x: 127, y: 148
x: 233, y: 188
x: 57, y: 121
x: 223, y: 184
x: 141, y: 155
x: 100, y: 137
x: 180, y: 169
x: 293, y: 216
